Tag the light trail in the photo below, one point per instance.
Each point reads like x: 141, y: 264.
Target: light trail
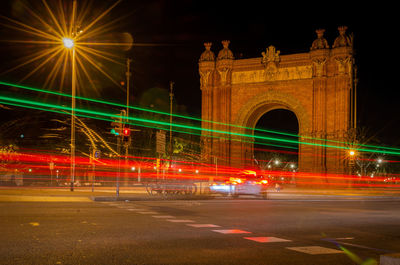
x: 108, y: 167
x: 384, y: 148
x: 165, y: 125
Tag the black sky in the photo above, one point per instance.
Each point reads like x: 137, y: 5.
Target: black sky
x: 179, y: 28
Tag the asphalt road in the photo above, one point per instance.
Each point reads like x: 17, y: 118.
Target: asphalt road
x: 199, y: 232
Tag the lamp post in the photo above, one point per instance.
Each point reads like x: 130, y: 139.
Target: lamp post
x: 69, y: 43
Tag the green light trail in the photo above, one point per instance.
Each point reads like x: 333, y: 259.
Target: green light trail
x: 182, y: 126
x: 187, y: 117
x: 137, y: 124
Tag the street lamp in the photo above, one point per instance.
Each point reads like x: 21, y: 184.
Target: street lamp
x: 68, y: 43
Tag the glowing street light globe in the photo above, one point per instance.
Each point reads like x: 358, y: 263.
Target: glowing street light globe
x: 68, y: 43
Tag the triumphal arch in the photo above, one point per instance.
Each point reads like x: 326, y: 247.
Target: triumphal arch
x: 317, y: 86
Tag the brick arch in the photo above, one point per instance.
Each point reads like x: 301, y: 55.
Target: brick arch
x: 260, y: 104
x: 317, y: 86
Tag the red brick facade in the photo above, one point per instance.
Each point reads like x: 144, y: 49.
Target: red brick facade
x: 316, y: 86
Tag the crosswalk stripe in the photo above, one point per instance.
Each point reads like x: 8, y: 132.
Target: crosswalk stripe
x: 231, y: 231
x: 163, y: 216
x: 180, y: 221
x: 316, y: 250
x: 268, y: 239
x: 202, y: 225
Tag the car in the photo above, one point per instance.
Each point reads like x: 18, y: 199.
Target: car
x: 244, y: 183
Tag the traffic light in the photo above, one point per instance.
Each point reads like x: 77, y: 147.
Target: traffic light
x: 126, y: 132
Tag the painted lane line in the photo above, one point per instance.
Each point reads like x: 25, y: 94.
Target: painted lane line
x: 202, y: 225
x: 135, y: 210
x: 163, y: 216
x: 231, y: 231
x: 148, y: 212
x: 180, y: 221
x: 316, y: 250
x: 268, y: 239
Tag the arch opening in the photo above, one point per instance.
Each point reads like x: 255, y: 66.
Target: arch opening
x: 268, y: 154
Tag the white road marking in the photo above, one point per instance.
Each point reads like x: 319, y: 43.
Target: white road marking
x: 148, y: 212
x: 180, y: 221
x: 202, y: 225
x: 231, y: 231
x: 163, y: 216
x: 316, y: 250
x: 269, y: 239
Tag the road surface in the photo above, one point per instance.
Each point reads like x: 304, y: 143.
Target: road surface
x: 238, y: 231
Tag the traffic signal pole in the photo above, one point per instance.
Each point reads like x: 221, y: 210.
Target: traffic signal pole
x: 171, y: 98
x: 128, y: 77
x: 119, y: 164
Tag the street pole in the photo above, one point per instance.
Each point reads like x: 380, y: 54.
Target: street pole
x: 128, y: 75
x: 119, y: 164
x: 73, y: 105
x: 73, y: 84
x: 171, y: 97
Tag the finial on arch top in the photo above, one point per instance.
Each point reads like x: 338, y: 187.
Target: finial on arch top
x: 225, y: 43
x: 225, y: 53
x: 320, y: 42
x: 271, y: 55
x: 207, y: 55
x: 343, y: 40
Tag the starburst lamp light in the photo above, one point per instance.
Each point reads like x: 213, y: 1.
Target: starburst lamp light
x: 68, y: 43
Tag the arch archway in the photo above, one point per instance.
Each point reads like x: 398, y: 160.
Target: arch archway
x: 317, y: 86
x: 250, y: 114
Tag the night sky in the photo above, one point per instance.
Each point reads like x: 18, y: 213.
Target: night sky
x: 176, y: 31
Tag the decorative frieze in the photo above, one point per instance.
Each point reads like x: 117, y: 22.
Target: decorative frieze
x: 281, y: 74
